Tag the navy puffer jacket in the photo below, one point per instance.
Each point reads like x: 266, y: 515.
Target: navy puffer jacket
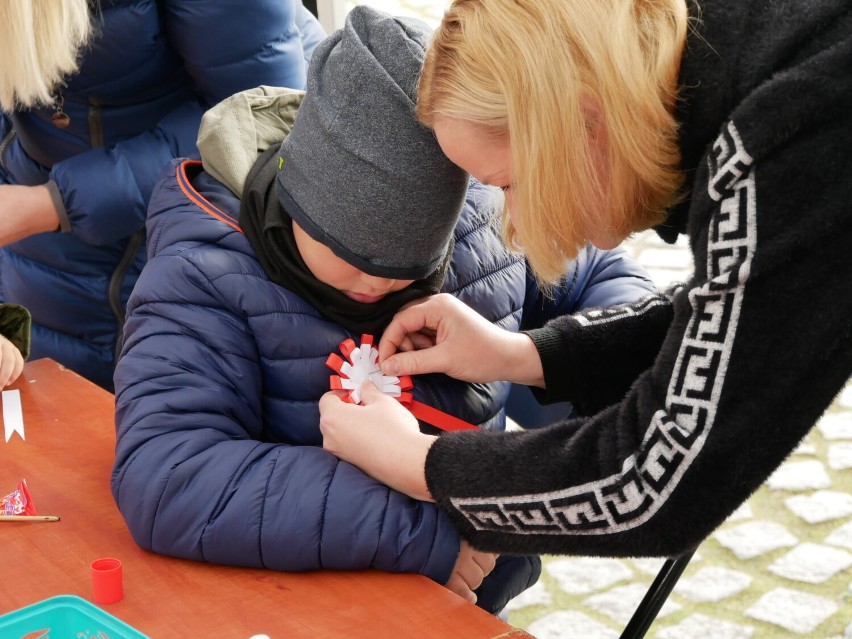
x: 152, y: 70
x: 219, y: 454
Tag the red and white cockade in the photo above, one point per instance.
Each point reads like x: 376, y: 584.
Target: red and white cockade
x: 362, y: 364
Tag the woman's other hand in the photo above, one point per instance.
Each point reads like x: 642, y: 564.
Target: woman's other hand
x: 443, y: 335
x: 379, y: 436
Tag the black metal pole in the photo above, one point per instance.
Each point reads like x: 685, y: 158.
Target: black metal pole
x: 656, y: 596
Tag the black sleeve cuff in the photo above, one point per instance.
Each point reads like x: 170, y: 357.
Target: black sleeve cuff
x: 554, y: 349
x: 59, y: 204
x: 15, y: 324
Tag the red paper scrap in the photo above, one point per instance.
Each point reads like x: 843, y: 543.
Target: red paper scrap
x: 18, y: 502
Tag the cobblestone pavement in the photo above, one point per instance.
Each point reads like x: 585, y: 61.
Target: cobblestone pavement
x: 779, y: 567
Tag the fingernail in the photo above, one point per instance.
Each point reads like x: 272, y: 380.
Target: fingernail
x: 390, y: 367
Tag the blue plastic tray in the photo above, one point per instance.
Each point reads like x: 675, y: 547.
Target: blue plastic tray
x: 64, y: 617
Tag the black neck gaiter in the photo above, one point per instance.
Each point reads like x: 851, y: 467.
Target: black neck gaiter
x: 270, y: 231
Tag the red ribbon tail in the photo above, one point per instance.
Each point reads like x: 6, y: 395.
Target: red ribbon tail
x: 438, y: 418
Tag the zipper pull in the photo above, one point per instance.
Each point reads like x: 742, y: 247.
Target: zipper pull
x: 60, y: 119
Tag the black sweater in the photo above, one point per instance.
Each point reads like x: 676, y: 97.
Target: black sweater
x: 753, y: 348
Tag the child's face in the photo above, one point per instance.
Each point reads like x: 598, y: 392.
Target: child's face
x: 340, y: 274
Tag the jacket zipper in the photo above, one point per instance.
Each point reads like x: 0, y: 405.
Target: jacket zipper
x: 5, y: 145
x: 96, y: 131
x: 115, y: 287
x: 96, y: 141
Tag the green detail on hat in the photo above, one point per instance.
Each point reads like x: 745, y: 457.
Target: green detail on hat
x: 280, y: 162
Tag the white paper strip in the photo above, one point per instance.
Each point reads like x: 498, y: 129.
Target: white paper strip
x: 13, y: 415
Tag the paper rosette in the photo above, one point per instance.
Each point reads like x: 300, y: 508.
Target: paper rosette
x: 361, y: 364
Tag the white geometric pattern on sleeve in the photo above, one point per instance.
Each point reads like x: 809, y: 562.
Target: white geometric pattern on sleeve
x: 677, y: 433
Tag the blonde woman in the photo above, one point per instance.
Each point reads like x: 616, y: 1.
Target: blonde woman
x: 95, y: 99
x: 729, y: 122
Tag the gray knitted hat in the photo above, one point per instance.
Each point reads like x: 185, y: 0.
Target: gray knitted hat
x: 358, y: 172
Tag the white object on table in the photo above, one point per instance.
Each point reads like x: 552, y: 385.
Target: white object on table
x: 13, y: 414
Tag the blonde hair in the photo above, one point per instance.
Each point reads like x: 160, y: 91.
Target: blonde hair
x: 546, y: 75
x: 39, y: 44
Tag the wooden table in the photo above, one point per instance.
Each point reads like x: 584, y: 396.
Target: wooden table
x: 67, y: 459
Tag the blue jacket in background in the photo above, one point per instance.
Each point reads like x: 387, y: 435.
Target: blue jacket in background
x: 589, y: 284
x: 152, y: 70
x: 219, y: 454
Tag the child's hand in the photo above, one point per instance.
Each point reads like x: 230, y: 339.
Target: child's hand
x: 471, y: 568
x: 11, y: 362
x: 379, y: 436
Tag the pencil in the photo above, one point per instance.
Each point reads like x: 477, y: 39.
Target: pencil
x: 29, y: 517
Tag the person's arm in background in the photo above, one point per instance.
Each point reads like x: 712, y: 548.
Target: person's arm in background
x: 596, y: 278
x: 226, y: 46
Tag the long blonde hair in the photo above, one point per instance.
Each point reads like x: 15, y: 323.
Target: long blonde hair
x: 526, y: 71
x: 40, y: 41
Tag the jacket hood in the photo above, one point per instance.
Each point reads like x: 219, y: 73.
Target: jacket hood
x: 235, y: 132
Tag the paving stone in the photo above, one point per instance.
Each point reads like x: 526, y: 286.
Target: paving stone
x: 582, y: 575
x: 704, y: 627
x: 648, y: 565
x: 621, y: 602
x: 741, y: 513
x: 805, y: 448
x: 650, y: 238
x: 841, y: 537
x: 845, y: 398
x: 823, y: 505
x: 840, y: 456
x: 712, y: 583
x: 755, y: 538
x: 666, y: 258
x: 534, y: 596
x: 836, y: 425
x: 663, y: 278
x: 570, y: 624
x: 799, y: 475
x: 811, y: 563
x: 792, y: 609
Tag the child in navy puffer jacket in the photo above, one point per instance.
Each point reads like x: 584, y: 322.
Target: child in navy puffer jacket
x: 261, y: 262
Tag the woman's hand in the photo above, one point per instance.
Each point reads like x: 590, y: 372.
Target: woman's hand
x: 11, y: 362
x: 443, y: 335
x: 25, y: 211
x: 471, y: 568
x: 380, y: 437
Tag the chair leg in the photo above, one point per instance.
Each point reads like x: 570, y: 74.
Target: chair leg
x: 656, y: 596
